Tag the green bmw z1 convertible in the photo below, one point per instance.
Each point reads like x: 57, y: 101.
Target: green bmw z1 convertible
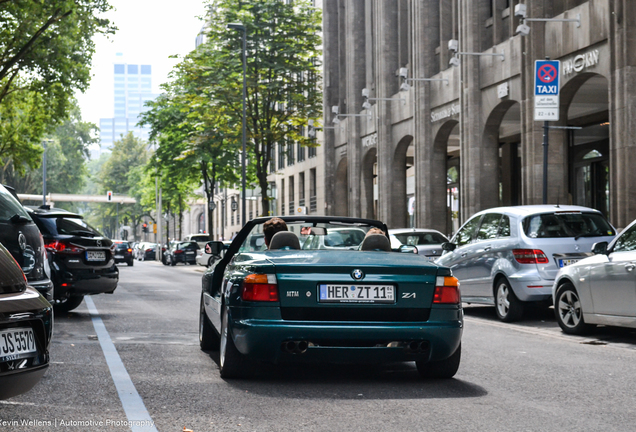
x: 323, y: 290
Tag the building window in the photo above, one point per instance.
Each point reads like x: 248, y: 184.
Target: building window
x: 281, y: 156
x: 301, y: 153
x: 282, y: 197
x: 313, y: 203
x: 272, y: 159
x: 301, y: 189
x: 120, y: 69
x: 291, y: 156
x: 292, y: 204
x: 146, y: 69
x: 311, y: 152
x: 133, y: 69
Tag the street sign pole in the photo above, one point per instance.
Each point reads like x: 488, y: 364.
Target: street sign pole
x: 546, y: 105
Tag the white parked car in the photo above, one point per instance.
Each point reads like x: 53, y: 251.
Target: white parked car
x: 600, y: 289
x: 427, y: 241
x: 208, y: 260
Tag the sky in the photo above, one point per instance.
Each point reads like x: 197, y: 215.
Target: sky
x: 149, y: 31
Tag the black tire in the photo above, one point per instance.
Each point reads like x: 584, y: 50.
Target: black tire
x: 173, y: 262
x: 568, y: 311
x: 131, y: 263
x: 508, y: 307
x: 208, y: 339
x: 443, y: 369
x: 69, y: 304
x: 211, y: 261
x: 232, y: 364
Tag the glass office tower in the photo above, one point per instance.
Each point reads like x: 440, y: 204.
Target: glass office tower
x: 133, y: 88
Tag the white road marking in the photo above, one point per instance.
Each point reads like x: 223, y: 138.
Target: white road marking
x: 138, y: 417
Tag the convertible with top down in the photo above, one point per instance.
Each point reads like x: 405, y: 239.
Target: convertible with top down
x: 364, y: 303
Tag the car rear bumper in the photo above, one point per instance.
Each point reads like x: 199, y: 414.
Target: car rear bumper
x: 17, y: 382
x: 347, y: 342
x: 87, y: 282
x: 531, y: 287
x: 44, y: 287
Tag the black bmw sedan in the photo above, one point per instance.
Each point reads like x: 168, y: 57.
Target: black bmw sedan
x: 82, y: 259
x: 26, y: 325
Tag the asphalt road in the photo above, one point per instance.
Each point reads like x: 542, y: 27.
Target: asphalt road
x: 513, y: 377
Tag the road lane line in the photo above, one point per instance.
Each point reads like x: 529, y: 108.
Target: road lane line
x: 138, y: 417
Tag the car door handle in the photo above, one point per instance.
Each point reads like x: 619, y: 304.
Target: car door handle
x: 487, y: 248
x: 464, y: 255
x: 630, y: 267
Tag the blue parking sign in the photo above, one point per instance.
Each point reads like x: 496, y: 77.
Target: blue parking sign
x: 546, y: 90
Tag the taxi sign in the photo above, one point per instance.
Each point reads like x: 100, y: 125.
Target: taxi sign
x: 547, y: 74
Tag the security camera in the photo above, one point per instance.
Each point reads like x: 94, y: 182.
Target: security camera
x: 336, y: 120
x: 523, y: 30
x: 365, y: 92
x: 366, y: 105
x: 404, y: 72
x: 454, y: 61
x: 453, y: 45
x: 520, y: 10
x: 405, y: 87
x: 335, y: 109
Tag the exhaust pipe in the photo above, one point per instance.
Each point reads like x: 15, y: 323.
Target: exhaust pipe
x: 416, y: 347
x: 295, y: 347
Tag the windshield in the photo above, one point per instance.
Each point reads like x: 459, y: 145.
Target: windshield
x: 567, y: 224
x: 9, y: 206
x: 420, y: 238
x: 55, y: 226
x: 313, y: 236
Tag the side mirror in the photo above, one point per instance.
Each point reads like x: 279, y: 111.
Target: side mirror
x: 448, y: 246
x: 600, y: 248
x: 214, y: 248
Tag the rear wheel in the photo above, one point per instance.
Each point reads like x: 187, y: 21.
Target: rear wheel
x: 232, y: 364
x: 208, y: 339
x: 441, y: 369
x: 509, y: 308
x: 131, y: 262
x: 69, y: 304
x: 568, y: 311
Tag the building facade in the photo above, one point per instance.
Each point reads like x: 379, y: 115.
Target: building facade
x: 132, y: 89
x: 432, y: 153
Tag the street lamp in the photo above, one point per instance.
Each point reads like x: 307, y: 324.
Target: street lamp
x: 240, y: 27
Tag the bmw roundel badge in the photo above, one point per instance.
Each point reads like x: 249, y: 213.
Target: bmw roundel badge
x: 357, y: 274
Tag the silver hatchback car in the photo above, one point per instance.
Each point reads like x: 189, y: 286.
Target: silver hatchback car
x: 509, y: 256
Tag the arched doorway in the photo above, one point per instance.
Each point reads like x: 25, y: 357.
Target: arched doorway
x: 447, y: 162
x: 369, y: 195
x: 341, y: 189
x: 402, y: 169
x: 589, y: 146
x: 503, y: 134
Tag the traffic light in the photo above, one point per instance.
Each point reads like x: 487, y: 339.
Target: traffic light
x: 144, y: 227
x: 109, y: 196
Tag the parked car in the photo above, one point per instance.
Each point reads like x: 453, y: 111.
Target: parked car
x: 147, y: 251
x: 285, y: 304
x: 510, y: 256
x: 206, y: 259
x: 427, y: 241
x: 82, y: 259
x: 123, y: 252
x: 601, y: 289
x: 22, y: 238
x: 26, y: 325
x: 182, y: 252
x: 201, y: 239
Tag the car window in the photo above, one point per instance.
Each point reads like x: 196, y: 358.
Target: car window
x: 567, y: 224
x: 66, y: 226
x: 420, y: 238
x: 465, y: 234
x: 626, y: 241
x: 188, y: 245
x: 504, y: 226
x: 9, y: 206
x: 489, y: 226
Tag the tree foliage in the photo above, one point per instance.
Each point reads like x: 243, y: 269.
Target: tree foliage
x: 45, y: 56
x: 204, y: 102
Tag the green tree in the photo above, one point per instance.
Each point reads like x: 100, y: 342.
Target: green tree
x: 46, y: 49
x: 282, y: 78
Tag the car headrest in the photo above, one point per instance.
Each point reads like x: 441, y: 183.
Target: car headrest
x: 284, y: 240
x: 376, y: 242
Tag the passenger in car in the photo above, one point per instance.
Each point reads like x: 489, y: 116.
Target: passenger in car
x: 271, y: 227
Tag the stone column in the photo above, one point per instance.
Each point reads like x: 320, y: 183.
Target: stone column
x: 331, y: 78
x: 355, y: 82
x: 387, y: 84
x: 622, y: 107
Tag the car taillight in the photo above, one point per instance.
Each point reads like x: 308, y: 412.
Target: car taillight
x: 149, y: 250
x: 178, y: 251
x: 530, y: 256
x: 63, y: 247
x: 129, y: 250
x: 446, y: 290
x: 260, y: 287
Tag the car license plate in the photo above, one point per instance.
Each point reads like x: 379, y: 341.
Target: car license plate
x: 16, y: 343
x: 119, y: 256
x: 190, y: 253
x: 567, y: 262
x: 335, y: 293
x: 95, y: 256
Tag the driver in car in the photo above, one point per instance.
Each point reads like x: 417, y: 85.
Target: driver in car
x: 271, y: 227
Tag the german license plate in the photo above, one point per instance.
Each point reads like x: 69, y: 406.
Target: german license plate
x: 95, y: 256
x: 337, y: 293
x: 16, y: 343
x: 119, y: 256
x: 567, y: 262
x: 190, y: 253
